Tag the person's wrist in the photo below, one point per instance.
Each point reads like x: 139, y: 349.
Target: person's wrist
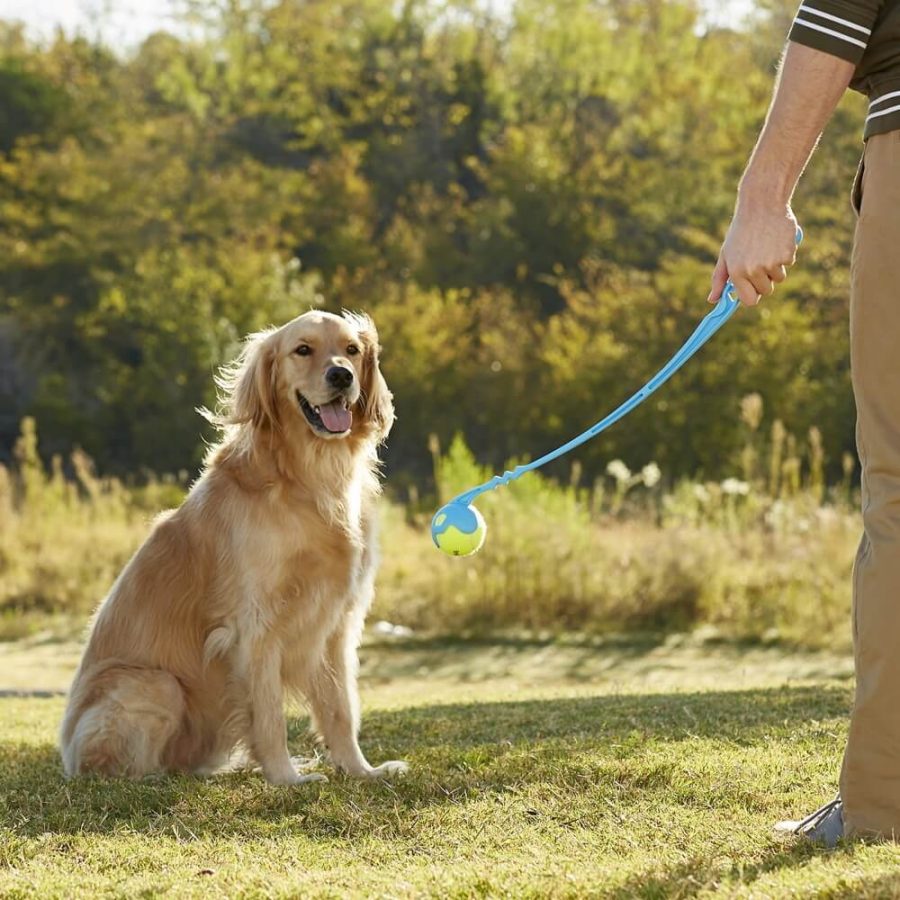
x: 762, y: 192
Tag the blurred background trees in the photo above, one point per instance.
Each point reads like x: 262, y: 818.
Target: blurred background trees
x: 528, y: 200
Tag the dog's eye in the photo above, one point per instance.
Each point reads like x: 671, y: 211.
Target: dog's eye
x: 303, y: 350
x: 352, y: 350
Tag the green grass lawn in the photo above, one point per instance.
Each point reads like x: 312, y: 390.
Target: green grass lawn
x: 614, y: 769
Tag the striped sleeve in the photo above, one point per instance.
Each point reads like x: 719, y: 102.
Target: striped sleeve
x: 839, y: 27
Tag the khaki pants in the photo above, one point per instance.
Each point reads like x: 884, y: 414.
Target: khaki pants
x: 870, y: 780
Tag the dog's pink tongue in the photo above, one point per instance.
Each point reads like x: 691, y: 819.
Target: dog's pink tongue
x: 335, y: 417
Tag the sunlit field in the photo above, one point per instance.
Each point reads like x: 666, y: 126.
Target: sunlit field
x: 649, y: 661
x: 612, y: 769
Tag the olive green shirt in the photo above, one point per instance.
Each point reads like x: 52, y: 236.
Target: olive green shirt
x: 866, y: 33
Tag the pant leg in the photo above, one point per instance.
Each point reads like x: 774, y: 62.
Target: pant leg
x: 870, y: 779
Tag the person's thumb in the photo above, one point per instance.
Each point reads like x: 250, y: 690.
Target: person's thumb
x: 719, y: 280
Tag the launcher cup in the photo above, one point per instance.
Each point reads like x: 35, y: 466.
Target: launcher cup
x: 458, y: 529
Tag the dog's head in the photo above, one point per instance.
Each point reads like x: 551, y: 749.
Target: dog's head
x: 318, y: 374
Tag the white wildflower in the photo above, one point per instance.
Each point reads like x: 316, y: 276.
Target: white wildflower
x: 776, y: 516
x: 701, y: 493
x: 388, y: 629
x: 735, y: 487
x: 618, y: 470
x: 651, y: 475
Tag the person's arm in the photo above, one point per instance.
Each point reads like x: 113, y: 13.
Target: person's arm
x: 827, y: 42
x: 760, y: 243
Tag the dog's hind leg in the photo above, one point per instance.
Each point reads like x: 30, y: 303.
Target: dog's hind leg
x: 121, y: 720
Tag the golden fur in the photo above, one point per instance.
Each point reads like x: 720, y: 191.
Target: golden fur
x: 258, y: 584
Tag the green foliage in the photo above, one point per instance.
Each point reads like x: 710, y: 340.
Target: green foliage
x: 529, y: 204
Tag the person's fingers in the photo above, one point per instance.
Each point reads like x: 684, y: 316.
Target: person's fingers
x: 761, y: 281
x: 719, y: 280
x: 746, y: 290
x: 777, y: 274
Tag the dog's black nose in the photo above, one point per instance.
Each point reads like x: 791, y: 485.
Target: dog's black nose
x: 339, y: 377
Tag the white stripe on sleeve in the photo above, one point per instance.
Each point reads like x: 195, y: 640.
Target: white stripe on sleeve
x: 831, y: 32
x: 883, y: 112
x: 884, y: 97
x: 824, y: 15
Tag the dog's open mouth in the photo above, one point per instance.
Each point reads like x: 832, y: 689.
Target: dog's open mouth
x: 333, y: 418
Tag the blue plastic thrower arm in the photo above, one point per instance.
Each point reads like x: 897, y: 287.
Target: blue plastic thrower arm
x: 726, y: 307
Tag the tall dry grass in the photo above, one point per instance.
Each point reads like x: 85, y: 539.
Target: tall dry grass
x: 764, y: 555
x: 65, y: 534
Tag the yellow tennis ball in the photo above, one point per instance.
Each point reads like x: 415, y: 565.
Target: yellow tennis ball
x: 458, y: 530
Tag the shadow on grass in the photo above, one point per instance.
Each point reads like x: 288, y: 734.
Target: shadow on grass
x: 735, y: 716
x: 459, y: 752
x: 620, y: 659
x: 472, y: 659
x: 690, y: 879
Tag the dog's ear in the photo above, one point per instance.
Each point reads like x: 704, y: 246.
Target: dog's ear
x: 248, y: 384
x: 375, y: 404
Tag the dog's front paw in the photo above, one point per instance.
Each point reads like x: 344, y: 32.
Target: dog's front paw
x: 292, y: 776
x: 310, y: 777
x: 396, y: 768
x: 297, y: 778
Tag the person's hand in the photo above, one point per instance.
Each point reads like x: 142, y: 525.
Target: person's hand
x: 760, y: 245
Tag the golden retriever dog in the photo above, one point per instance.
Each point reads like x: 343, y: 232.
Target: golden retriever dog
x: 258, y: 584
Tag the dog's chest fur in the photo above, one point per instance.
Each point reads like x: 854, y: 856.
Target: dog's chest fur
x: 321, y: 559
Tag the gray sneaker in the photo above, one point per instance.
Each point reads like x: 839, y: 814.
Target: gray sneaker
x: 825, y: 826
